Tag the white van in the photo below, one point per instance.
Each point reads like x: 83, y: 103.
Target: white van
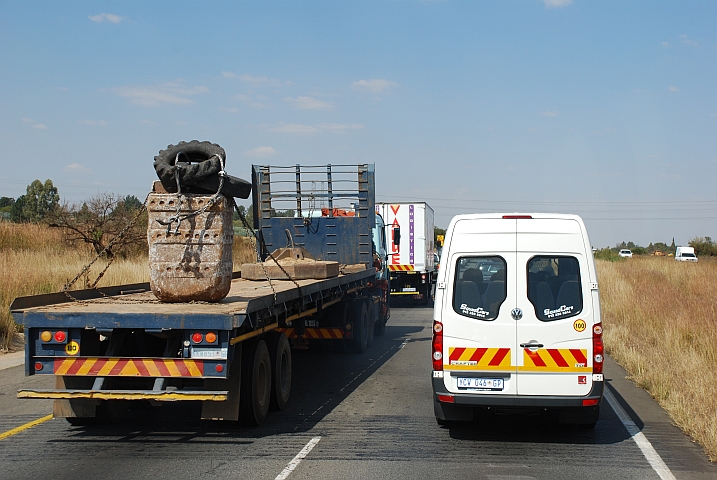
x: 527, y: 338
x: 685, y: 254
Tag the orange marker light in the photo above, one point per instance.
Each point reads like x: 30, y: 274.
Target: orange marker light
x: 46, y: 336
x: 211, y: 337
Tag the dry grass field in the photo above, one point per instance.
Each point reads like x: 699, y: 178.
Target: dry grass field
x: 34, y: 259
x: 660, y: 319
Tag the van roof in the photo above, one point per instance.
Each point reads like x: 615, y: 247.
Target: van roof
x: 556, y: 216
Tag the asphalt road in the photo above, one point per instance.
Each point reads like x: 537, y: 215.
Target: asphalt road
x: 350, y: 416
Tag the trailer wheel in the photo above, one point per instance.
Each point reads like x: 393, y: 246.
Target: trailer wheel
x: 255, y: 384
x: 359, y: 343
x: 280, y: 352
x: 371, y: 321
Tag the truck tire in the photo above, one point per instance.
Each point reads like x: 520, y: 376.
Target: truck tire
x: 280, y: 352
x: 371, y: 321
x: 195, y: 152
x: 359, y: 342
x: 255, y: 384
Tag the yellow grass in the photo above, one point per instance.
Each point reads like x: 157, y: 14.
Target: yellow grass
x: 34, y: 260
x: 660, y: 319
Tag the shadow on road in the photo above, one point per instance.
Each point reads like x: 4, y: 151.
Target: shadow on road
x: 322, y: 378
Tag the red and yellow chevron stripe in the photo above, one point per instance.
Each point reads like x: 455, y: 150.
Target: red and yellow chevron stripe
x: 555, y: 360
x: 460, y: 358
x: 129, y: 367
x: 314, y: 333
x: 401, y: 268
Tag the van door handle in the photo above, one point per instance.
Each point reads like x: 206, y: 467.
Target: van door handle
x: 531, y: 345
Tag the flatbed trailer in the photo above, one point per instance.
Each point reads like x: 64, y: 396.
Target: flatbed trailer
x: 108, y: 326
x: 107, y: 346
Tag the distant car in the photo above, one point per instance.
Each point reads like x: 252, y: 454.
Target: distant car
x: 625, y: 253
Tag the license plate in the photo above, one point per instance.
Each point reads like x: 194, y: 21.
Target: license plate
x: 490, y: 384
x: 409, y: 289
x: 220, y: 353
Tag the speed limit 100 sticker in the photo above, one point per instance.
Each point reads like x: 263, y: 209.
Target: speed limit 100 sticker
x: 579, y: 325
x: 72, y: 348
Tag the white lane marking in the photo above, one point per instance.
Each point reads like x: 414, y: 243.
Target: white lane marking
x: 298, y: 458
x: 647, y: 450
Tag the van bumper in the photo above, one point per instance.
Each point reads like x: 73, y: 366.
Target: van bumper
x: 571, y: 407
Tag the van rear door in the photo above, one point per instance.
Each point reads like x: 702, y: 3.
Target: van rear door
x: 479, y: 335
x: 554, y: 334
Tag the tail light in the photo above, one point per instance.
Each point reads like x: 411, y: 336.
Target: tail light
x: 437, y: 345
x: 197, y: 337
x: 597, y: 348
x: 60, y: 336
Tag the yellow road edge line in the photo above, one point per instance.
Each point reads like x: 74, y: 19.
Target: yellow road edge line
x: 21, y: 428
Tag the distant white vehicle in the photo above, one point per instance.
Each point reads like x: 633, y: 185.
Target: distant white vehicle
x: 625, y: 253
x: 685, y: 254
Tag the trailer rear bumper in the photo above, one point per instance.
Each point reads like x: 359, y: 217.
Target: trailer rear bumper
x: 163, y: 396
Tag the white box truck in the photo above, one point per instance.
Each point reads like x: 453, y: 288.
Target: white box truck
x: 685, y: 254
x: 409, y: 234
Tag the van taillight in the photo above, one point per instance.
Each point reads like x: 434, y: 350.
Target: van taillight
x: 597, y: 348
x: 437, y: 345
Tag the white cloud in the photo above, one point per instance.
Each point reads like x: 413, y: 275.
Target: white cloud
x: 256, y: 81
x: 375, y: 85
x: 75, y: 168
x: 101, y: 123
x: 26, y: 120
x: 106, y: 17
x: 686, y: 41
x: 295, y: 128
x: 174, y: 93
x: 674, y: 89
x: 254, y: 101
x: 665, y: 44
x: 261, y: 152
x: 339, y: 127
x: 557, y: 3
x: 550, y: 113
x: 308, y: 103
x: 39, y: 126
x: 299, y: 129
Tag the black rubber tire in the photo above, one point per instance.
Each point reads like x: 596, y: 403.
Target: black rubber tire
x: 199, y: 170
x: 371, y: 322
x: 195, y: 150
x: 281, y: 369
x: 255, y: 383
x: 359, y: 342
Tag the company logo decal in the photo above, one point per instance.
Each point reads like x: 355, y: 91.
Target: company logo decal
x: 474, y: 312
x: 561, y: 311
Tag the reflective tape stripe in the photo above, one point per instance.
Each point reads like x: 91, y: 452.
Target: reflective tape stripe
x: 401, y: 268
x: 555, y: 360
x: 129, y: 367
x: 461, y: 358
x: 314, y: 333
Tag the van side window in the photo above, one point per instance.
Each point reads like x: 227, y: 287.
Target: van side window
x: 479, y: 287
x: 554, y: 287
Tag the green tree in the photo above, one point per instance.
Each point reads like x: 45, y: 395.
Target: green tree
x: 40, y: 201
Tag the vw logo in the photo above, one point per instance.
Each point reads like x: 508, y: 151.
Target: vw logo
x: 516, y: 313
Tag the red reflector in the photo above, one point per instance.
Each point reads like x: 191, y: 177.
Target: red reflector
x: 516, y: 216
x: 589, y: 402
x: 197, y: 337
x: 60, y: 336
x: 449, y: 398
x: 38, y: 366
x: 219, y: 368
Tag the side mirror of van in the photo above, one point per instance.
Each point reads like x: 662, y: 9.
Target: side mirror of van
x: 397, y: 236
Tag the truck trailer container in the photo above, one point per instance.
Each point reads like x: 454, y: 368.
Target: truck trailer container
x: 411, y: 264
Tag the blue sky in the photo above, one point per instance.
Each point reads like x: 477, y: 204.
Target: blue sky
x: 607, y: 109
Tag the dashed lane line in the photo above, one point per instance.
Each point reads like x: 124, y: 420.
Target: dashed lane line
x: 298, y: 458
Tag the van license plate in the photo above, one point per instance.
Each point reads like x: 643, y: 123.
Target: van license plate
x: 491, y: 384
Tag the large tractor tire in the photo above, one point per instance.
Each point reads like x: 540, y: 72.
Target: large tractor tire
x: 359, y: 313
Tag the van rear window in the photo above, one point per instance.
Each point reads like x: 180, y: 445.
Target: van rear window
x: 479, y: 288
x: 554, y: 287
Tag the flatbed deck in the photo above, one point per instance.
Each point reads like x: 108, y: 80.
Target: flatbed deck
x: 112, y: 309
